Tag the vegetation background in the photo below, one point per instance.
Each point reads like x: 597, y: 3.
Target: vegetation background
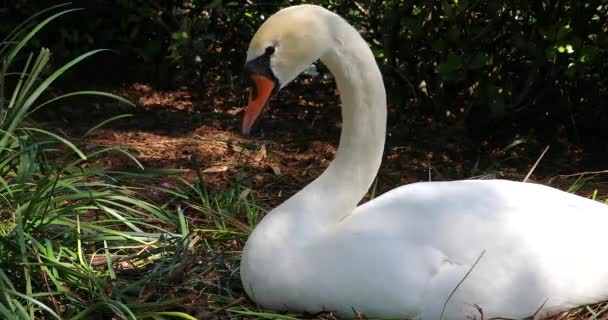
x: 139, y: 210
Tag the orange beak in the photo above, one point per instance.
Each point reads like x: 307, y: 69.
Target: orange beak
x: 264, y: 88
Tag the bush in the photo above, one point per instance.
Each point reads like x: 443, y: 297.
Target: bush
x: 531, y: 61
x: 501, y: 58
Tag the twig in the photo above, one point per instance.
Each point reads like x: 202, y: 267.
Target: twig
x: 533, y: 316
x: 539, y: 308
x: 479, y: 309
x: 536, y: 164
x: 459, y: 283
x: 358, y: 315
x: 361, y: 8
x: 428, y: 161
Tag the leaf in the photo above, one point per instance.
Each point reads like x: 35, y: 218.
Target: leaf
x: 447, y: 9
x: 243, y: 195
x: 439, y: 44
x: 566, y: 49
x: 33, y: 32
x: 478, y: 61
x: 101, y: 124
x: 569, y: 49
x: 563, y: 33
x: 452, y: 64
x: 80, y: 93
x: 33, y: 96
x: 497, y: 106
x: 513, y: 144
x: 261, y: 154
x: 34, y: 301
x: 161, y: 314
x: 215, y: 169
x: 61, y: 139
x: 454, y: 34
x: 276, y: 170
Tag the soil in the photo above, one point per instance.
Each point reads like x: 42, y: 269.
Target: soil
x: 296, y: 138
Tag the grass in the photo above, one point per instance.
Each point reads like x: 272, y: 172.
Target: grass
x: 81, y: 242
x: 76, y: 241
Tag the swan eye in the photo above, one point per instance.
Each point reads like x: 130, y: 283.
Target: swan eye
x: 269, y: 50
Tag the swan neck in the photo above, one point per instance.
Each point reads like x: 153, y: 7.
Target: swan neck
x: 363, y: 100
x: 333, y: 196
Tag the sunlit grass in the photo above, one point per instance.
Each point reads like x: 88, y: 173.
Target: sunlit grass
x: 76, y: 241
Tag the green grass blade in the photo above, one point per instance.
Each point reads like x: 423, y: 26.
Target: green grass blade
x: 6, y: 281
x: 19, y: 213
x: 120, y: 217
x: 33, y: 76
x: 101, y: 124
x: 61, y: 139
x: 84, y: 313
x: 122, y: 309
x: 130, y: 156
x: 14, y: 34
x: 263, y: 315
x: 23, y: 109
x: 183, y: 223
x: 7, y: 188
x: 17, y: 90
x: 79, y: 242
x: 33, y: 32
x: 7, y: 314
x: 109, y: 260
x: 162, y: 314
x: 36, y: 302
x: 84, y: 93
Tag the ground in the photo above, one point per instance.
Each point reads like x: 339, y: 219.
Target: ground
x: 297, y: 137
x: 293, y: 142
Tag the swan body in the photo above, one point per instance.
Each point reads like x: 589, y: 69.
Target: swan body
x: 402, y: 254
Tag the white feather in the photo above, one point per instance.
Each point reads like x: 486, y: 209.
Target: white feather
x: 403, y: 253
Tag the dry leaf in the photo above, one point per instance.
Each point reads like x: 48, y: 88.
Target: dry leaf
x: 244, y: 194
x: 276, y: 170
x: 215, y: 169
x: 235, y: 111
x: 261, y: 154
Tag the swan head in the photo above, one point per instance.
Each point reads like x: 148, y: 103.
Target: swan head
x: 284, y: 46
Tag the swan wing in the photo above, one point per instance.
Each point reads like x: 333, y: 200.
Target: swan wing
x: 410, y: 247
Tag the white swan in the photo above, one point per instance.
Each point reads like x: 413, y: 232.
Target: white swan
x: 401, y: 254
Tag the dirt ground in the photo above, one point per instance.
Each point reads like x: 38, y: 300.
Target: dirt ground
x: 297, y: 136
x: 296, y: 139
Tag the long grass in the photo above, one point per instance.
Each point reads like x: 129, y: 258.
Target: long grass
x: 76, y: 241
x: 82, y: 242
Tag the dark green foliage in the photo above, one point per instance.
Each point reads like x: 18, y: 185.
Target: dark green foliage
x: 503, y: 57
x: 479, y: 60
